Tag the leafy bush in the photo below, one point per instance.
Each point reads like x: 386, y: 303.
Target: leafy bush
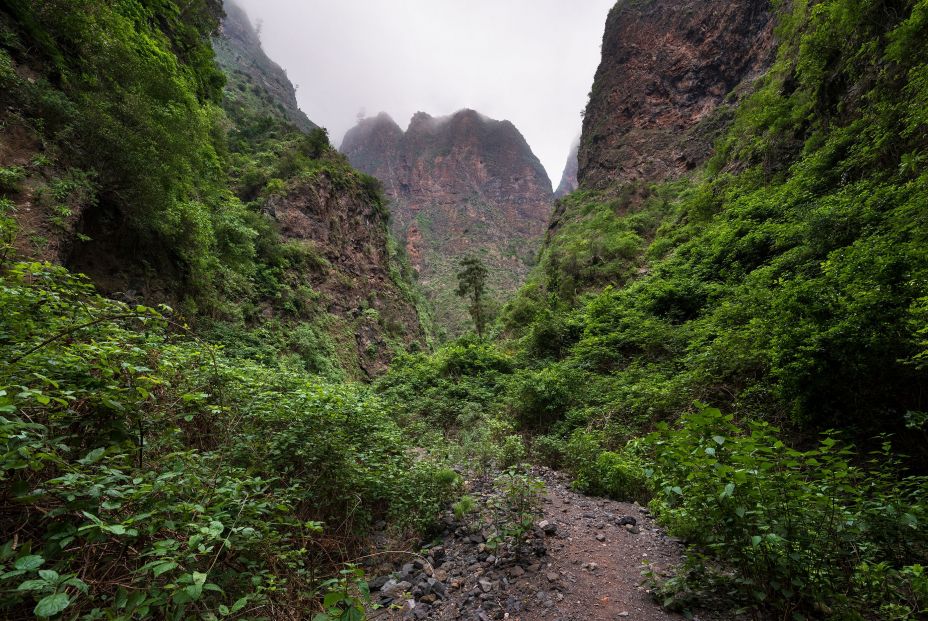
x: 10, y: 179
x: 175, y: 481
x: 453, y: 388
x: 805, y: 531
x: 540, y: 398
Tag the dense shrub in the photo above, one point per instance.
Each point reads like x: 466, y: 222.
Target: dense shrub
x: 148, y: 475
x: 805, y: 531
x: 452, y: 389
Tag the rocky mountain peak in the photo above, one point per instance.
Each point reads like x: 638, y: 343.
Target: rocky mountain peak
x: 254, y: 80
x: 460, y: 184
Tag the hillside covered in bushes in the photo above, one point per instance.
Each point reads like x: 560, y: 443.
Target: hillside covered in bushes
x: 783, y: 281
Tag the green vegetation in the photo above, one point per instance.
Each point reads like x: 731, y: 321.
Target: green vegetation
x: 472, y: 283
x: 220, y: 463
x: 786, y: 283
x: 113, y: 74
x: 183, y: 203
x: 806, y: 531
x: 210, y: 463
x: 176, y: 481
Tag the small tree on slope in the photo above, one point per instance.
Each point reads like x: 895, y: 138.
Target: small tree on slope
x: 472, y: 281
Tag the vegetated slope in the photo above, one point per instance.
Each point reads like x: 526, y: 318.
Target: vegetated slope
x: 785, y: 278
x: 189, y: 209
x: 255, y: 84
x: 155, y: 465
x: 460, y: 185
x: 357, y: 279
x: 781, y: 275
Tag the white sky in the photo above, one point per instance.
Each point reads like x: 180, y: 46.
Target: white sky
x: 528, y: 61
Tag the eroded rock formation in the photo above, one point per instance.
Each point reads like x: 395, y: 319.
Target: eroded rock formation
x: 659, y: 96
x: 459, y: 185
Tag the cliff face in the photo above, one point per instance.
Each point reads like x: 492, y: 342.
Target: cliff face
x: 351, y: 266
x: 659, y: 96
x: 459, y: 185
x: 569, y: 181
x: 340, y: 228
x: 255, y: 82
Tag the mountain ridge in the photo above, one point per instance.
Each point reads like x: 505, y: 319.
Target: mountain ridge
x: 460, y: 184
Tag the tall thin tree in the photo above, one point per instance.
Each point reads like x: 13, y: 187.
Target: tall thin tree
x: 472, y: 281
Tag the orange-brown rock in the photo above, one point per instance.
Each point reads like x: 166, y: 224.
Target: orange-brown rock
x: 659, y: 96
x: 459, y: 185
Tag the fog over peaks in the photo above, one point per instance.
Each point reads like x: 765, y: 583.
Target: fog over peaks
x: 527, y: 61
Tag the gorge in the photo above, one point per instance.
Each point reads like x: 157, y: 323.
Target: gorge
x: 238, y: 380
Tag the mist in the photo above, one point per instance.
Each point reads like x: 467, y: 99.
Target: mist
x: 528, y: 61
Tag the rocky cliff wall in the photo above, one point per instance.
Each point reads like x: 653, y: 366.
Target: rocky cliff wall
x: 459, y: 185
x: 670, y: 70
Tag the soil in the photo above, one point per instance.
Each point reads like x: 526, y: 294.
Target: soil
x: 583, y: 561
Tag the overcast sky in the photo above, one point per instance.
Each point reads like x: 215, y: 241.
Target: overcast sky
x: 528, y: 61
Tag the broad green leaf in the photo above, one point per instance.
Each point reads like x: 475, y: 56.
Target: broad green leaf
x: 239, y: 604
x: 92, y: 457
x: 32, y: 585
x: 52, y: 604
x: 161, y: 568
x: 49, y: 574
x: 29, y: 563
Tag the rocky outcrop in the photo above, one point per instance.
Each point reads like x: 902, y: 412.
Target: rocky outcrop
x: 255, y: 82
x: 336, y: 225
x: 659, y: 98
x: 341, y: 232
x: 459, y: 185
x: 569, y: 178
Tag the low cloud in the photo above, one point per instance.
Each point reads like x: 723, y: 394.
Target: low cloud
x: 528, y: 61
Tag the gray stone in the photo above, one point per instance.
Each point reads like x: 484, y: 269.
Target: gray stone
x: 395, y: 589
x: 600, y: 537
x: 377, y: 583
x: 548, y: 527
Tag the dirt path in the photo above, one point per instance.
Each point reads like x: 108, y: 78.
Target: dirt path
x: 582, y: 562
x: 598, y: 553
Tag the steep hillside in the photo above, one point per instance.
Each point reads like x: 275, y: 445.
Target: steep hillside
x: 460, y: 185
x: 255, y: 85
x: 783, y: 278
x: 333, y: 218
x: 211, y: 460
x: 190, y: 209
x: 664, y: 89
